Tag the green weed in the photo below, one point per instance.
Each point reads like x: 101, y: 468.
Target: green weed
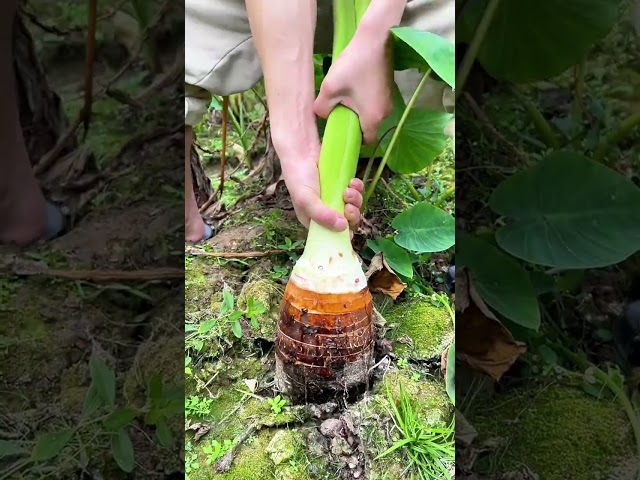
x: 277, y: 404
x: 430, y: 449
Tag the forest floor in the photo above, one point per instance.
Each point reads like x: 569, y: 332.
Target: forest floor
x: 65, y: 326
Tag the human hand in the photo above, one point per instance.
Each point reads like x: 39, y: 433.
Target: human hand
x: 360, y: 79
x: 303, y: 182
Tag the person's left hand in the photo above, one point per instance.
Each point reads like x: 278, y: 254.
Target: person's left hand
x: 360, y: 79
x: 303, y: 182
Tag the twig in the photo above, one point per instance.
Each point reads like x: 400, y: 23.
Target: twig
x: 394, y: 194
x: 163, y: 273
x: 224, y: 464
x: 253, y: 254
x: 261, y: 126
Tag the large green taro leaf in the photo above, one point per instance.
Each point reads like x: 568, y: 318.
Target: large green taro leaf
x: 531, y: 40
x: 419, y: 49
x: 569, y: 212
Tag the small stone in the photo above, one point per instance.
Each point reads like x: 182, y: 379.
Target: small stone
x: 331, y: 427
x: 357, y: 473
x: 348, y: 422
x: 322, y: 410
x: 352, y: 462
x: 350, y: 440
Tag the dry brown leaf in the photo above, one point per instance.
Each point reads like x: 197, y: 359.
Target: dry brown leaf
x: 482, y: 341
x: 251, y: 384
x: 382, y: 279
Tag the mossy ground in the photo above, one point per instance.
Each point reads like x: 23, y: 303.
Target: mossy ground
x: 429, y: 328
x: 559, y: 432
x: 286, y: 445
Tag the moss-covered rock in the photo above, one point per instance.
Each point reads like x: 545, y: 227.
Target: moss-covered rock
x: 559, y: 432
x: 270, y: 295
x: 426, y: 328
x: 283, y: 446
x: 431, y: 403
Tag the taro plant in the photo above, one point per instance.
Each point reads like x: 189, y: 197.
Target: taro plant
x: 329, y: 274
x: 567, y: 210
x: 410, y: 140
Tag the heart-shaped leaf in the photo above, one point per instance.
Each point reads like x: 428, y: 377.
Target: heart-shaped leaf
x: 499, y: 280
x: 531, y: 40
x: 424, y: 228
x: 569, y: 212
x: 419, y: 142
x: 396, y: 257
x: 420, y: 49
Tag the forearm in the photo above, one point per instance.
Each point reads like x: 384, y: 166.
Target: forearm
x: 283, y: 32
x: 380, y: 17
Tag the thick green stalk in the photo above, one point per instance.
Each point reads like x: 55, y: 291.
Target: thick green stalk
x: 394, y: 139
x: 342, y: 135
x: 543, y: 127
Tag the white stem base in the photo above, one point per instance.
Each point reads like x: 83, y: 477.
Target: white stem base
x: 328, y: 264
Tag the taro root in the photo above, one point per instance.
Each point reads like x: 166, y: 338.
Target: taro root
x: 324, y: 342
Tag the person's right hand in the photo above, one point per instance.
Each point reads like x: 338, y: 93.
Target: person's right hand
x: 360, y: 79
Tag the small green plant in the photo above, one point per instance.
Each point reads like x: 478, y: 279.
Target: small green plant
x: 187, y: 366
x: 403, y: 363
x: 197, y: 407
x: 190, y: 461
x: 101, y: 411
x: 430, y: 450
x: 197, y: 335
x: 277, y: 404
x: 294, y: 466
x: 254, y: 308
x: 216, y: 450
x: 279, y: 272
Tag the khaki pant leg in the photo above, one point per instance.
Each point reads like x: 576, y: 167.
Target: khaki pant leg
x: 220, y: 56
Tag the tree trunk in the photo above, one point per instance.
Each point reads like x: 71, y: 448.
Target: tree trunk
x: 41, y: 114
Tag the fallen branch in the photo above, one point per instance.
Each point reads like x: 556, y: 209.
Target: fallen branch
x: 166, y: 273
x: 224, y: 464
x: 254, y: 254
